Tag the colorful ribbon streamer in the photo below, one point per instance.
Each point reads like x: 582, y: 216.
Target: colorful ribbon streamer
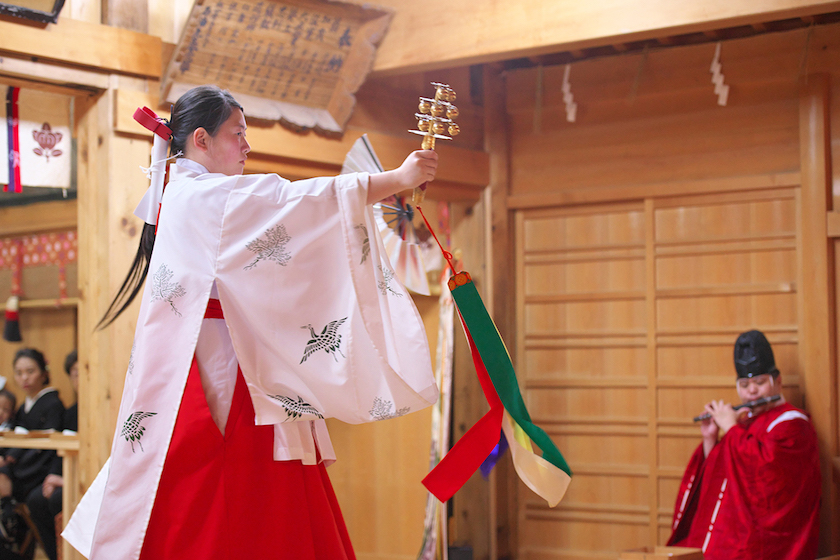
x: 548, y: 475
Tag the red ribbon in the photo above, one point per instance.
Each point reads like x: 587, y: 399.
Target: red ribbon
x: 446, y: 254
x: 466, y: 456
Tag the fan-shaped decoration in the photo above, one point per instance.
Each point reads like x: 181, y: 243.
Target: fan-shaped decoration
x: 411, y: 255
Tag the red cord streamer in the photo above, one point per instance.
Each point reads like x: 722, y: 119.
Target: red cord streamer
x: 446, y: 254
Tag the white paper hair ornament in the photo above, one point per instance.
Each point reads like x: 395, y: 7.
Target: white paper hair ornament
x: 149, y: 206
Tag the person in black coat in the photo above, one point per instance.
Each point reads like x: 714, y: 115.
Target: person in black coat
x: 44, y: 502
x: 24, y: 470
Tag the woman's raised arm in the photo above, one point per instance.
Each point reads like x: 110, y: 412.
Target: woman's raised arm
x: 418, y: 168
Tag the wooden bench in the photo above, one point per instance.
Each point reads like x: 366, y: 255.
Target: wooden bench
x: 67, y: 447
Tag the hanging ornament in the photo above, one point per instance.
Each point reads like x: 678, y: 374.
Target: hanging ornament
x: 11, y: 329
x: 721, y: 89
x: 568, y: 98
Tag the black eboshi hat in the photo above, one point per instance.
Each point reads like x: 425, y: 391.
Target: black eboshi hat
x: 753, y: 355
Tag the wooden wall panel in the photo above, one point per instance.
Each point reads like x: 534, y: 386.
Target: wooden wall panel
x: 586, y: 316
x: 834, y: 115
x: 586, y: 405
x: 653, y: 119
x: 720, y: 266
x: 544, y: 362
x: 628, y: 305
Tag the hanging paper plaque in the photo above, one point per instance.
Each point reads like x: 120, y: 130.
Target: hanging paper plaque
x: 43, y: 140
x: 296, y: 61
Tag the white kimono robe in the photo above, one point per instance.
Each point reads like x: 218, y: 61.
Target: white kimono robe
x: 319, y: 324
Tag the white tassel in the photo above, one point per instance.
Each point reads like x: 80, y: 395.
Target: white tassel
x: 568, y: 98
x: 721, y: 89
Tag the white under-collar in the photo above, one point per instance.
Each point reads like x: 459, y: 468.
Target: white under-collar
x: 191, y: 165
x: 28, y: 403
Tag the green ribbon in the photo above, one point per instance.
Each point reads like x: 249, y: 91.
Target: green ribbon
x: 496, y: 359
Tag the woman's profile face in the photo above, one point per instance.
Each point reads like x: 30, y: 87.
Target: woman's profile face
x: 29, y: 376
x: 228, y: 149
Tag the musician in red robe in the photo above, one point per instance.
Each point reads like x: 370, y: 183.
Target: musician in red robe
x: 754, y: 493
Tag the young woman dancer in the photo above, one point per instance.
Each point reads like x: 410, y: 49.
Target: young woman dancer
x: 267, y: 309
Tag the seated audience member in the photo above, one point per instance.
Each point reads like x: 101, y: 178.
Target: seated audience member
x: 23, y: 470
x: 44, y: 503
x: 8, y: 402
x: 755, y: 492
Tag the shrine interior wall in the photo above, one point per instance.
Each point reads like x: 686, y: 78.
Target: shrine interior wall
x: 648, y: 234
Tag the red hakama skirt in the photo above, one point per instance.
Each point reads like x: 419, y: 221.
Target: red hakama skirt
x: 224, y: 497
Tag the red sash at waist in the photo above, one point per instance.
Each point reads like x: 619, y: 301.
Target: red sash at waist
x: 214, y: 310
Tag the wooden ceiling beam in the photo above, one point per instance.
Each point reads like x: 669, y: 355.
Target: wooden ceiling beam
x: 81, y: 44
x: 483, y: 31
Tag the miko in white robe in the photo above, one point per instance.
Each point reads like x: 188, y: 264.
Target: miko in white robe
x: 317, y: 322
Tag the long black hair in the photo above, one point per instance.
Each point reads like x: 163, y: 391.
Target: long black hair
x: 206, y: 107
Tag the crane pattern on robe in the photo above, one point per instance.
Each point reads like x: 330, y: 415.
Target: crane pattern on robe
x: 329, y: 340
x: 133, y: 430
x: 365, y: 242
x: 296, y: 408
x: 384, y: 285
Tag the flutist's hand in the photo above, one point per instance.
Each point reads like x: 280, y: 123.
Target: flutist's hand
x: 709, y: 431
x: 723, y: 415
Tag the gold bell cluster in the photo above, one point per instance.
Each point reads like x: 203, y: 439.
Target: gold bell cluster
x: 435, y: 120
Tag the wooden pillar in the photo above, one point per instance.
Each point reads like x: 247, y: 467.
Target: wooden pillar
x: 109, y: 189
x: 95, y: 349
x: 500, y: 285
x: 817, y: 352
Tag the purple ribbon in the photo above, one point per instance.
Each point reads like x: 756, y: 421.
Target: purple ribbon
x: 494, y: 456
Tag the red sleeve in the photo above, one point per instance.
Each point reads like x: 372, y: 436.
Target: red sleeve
x: 684, y: 507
